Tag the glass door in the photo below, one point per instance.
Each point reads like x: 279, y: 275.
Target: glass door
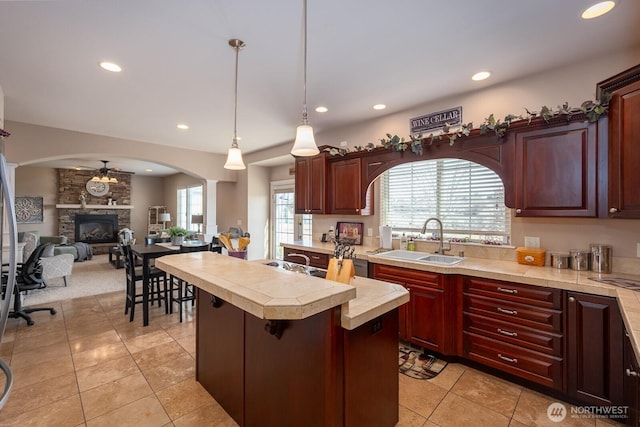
x: 286, y: 226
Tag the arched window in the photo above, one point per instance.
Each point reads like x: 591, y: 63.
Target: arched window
x: 467, y: 197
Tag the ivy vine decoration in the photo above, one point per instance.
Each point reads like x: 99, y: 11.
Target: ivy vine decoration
x: 591, y: 109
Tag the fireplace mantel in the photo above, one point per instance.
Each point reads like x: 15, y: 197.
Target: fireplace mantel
x: 79, y: 206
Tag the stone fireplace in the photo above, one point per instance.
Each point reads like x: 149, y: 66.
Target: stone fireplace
x: 71, y: 184
x: 96, y: 228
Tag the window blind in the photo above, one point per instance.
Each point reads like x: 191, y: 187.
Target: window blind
x: 467, y: 197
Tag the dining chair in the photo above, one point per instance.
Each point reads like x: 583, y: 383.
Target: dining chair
x: 134, y: 276
x: 181, y: 291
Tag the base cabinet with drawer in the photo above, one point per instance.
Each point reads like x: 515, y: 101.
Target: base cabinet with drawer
x: 514, y: 328
x: 594, y: 349
x: 424, y: 321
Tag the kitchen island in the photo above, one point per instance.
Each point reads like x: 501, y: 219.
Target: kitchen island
x: 275, y: 347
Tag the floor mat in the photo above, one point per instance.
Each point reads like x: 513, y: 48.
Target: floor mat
x: 416, y: 364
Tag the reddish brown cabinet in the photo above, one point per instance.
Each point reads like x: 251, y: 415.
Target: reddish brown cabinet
x: 345, y: 188
x: 424, y: 320
x: 514, y: 328
x: 594, y: 349
x: 624, y: 150
x: 556, y: 170
x: 631, y: 383
x: 316, y: 259
x: 310, y: 184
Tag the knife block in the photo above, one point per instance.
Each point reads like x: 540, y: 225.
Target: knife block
x: 342, y: 274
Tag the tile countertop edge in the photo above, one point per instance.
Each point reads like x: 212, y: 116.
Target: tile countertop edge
x: 570, y: 280
x: 364, y: 301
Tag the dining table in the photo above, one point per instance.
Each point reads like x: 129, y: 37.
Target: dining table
x: 146, y: 253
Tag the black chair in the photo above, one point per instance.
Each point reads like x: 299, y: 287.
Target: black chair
x: 134, y: 275
x: 179, y: 290
x: 28, y: 278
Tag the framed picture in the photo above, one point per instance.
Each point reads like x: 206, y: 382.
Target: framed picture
x: 28, y: 210
x: 350, y: 232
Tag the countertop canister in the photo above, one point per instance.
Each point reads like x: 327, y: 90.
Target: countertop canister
x: 580, y: 259
x: 560, y: 259
x: 600, y: 258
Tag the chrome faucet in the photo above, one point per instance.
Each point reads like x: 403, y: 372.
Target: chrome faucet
x: 424, y: 230
x: 306, y: 259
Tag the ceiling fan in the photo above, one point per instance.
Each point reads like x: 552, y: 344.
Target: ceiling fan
x: 104, y: 173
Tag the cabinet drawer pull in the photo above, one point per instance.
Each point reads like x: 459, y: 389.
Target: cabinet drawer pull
x: 505, y: 311
x: 507, y: 333
x: 631, y: 373
x: 518, y: 211
x: 508, y: 291
x: 613, y: 210
x: 508, y: 359
x: 315, y: 257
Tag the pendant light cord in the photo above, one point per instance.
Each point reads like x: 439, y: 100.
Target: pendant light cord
x: 235, y: 103
x: 305, y: 121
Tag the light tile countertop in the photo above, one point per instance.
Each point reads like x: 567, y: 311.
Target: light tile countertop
x: 571, y: 280
x: 274, y: 293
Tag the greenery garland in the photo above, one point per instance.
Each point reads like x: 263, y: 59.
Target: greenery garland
x: 591, y: 109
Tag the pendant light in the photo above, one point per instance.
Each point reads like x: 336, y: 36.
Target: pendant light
x: 234, y: 156
x: 305, y: 143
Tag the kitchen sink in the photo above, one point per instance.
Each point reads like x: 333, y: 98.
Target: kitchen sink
x: 421, y: 257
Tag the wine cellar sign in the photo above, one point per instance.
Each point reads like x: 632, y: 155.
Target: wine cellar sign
x: 436, y: 121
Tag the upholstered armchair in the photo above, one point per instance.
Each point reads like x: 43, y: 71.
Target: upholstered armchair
x: 54, y: 266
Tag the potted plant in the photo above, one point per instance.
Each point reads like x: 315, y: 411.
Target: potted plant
x: 177, y: 235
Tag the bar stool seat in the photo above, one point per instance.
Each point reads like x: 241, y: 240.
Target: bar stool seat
x: 181, y: 291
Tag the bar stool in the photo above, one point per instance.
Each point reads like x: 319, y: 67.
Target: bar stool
x: 181, y: 291
x: 134, y: 275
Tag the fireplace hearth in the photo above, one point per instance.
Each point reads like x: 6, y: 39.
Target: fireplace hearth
x: 96, y: 228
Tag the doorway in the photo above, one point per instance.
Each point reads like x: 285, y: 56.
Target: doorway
x: 286, y: 225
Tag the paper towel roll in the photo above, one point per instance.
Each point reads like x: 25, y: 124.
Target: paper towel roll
x: 385, y: 237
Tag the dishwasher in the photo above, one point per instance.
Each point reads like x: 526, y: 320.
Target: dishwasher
x: 362, y: 267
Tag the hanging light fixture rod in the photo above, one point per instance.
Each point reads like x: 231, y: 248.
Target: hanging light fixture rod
x: 305, y: 143
x: 234, y: 156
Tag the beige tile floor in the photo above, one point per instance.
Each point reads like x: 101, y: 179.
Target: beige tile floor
x: 88, y: 366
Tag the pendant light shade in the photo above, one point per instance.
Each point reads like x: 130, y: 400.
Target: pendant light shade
x: 305, y: 143
x: 234, y: 159
x: 234, y: 155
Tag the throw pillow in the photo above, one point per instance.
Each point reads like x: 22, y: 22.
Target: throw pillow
x: 48, y: 251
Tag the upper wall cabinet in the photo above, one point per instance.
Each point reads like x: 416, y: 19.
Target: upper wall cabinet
x: 556, y: 171
x: 624, y: 143
x: 345, y: 188
x: 310, y: 185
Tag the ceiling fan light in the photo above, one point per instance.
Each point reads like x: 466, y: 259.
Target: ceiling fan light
x: 113, y: 180
x: 305, y: 143
x: 95, y: 178
x: 234, y: 159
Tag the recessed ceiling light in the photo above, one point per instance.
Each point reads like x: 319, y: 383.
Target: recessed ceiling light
x: 598, y: 9
x: 110, y: 66
x: 148, y: 170
x: 322, y: 109
x: 182, y: 126
x: 482, y: 75
x: 379, y: 107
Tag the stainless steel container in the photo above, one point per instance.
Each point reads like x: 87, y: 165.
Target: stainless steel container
x: 600, y: 258
x: 580, y: 259
x: 560, y: 259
